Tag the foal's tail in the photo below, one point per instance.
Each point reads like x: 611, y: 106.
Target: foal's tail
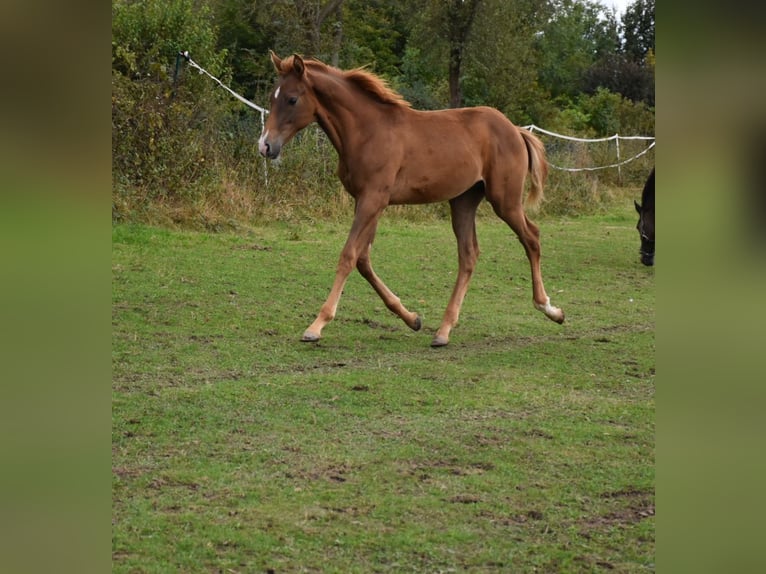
x: 538, y: 167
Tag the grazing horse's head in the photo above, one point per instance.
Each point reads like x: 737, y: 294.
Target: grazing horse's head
x: 645, y: 223
x: 293, y: 106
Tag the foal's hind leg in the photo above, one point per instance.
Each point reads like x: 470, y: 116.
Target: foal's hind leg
x: 463, y: 209
x: 529, y: 236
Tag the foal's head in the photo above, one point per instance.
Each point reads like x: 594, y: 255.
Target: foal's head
x: 293, y: 106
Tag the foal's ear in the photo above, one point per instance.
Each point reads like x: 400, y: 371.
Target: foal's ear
x: 638, y: 207
x: 298, y: 66
x: 276, y: 60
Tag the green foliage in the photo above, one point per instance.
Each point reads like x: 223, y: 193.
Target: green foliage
x: 610, y: 114
x: 619, y: 74
x: 165, y: 138
x: 375, y: 35
x: 147, y: 34
x: 503, y: 73
x: 601, y: 110
x: 601, y: 114
x: 569, y: 44
x: 421, y: 83
x: 245, y: 32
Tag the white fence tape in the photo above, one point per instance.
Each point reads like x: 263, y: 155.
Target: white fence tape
x: 202, y: 70
x: 615, y: 137
x: 262, y: 111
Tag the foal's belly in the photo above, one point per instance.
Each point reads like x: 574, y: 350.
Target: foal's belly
x: 432, y: 179
x: 430, y: 193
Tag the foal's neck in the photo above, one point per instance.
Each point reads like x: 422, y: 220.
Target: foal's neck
x: 344, y: 113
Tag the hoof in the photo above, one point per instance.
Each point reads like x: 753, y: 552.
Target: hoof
x: 553, y: 313
x: 439, y: 341
x: 418, y: 324
x: 309, y: 337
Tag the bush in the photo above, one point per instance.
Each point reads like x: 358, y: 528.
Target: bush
x: 165, y: 137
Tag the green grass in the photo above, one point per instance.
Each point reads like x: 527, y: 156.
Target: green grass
x: 523, y: 446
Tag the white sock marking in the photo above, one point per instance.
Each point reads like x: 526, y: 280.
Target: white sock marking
x: 548, y: 309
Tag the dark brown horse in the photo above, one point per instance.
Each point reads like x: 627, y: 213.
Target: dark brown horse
x: 645, y: 223
x: 391, y: 154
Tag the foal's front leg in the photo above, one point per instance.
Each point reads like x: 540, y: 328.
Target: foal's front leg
x: 364, y: 265
x: 361, y: 235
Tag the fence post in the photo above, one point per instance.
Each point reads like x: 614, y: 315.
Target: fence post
x: 619, y: 168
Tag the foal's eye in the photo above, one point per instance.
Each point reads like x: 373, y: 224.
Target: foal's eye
x: 292, y: 101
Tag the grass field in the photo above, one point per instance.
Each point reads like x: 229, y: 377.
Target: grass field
x: 523, y: 446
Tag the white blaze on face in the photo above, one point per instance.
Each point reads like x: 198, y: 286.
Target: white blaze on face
x: 276, y: 94
x: 262, y: 142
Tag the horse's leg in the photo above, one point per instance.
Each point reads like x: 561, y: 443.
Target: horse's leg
x: 463, y: 211
x: 364, y: 265
x: 359, y: 238
x: 529, y: 236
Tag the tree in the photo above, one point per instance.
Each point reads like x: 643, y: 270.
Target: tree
x: 375, y: 34
x: 501, y: 62
x: 458, y: 19
x: 577, y: 33
x: 629, y: 68
x: 314, y: 15
x: 638, y: 30
x: 621, y: 75
x: 249, y: 29
x: 440, y: 37
x: 247, y: 32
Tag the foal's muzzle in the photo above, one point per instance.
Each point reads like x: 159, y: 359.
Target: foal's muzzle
x: 269, y: 149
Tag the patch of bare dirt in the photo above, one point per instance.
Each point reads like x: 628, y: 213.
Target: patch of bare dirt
x: 635, y: 505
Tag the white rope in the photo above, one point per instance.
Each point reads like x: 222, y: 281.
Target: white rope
x: 533, y: 127
x: 616, y: 137
x: 651, y: 145
x: 244, y: 100
x: 262, y: 111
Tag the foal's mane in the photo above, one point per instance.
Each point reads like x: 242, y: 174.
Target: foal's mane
x: 374, y: 86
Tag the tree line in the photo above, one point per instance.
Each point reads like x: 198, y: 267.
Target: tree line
x: 572, y: 66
